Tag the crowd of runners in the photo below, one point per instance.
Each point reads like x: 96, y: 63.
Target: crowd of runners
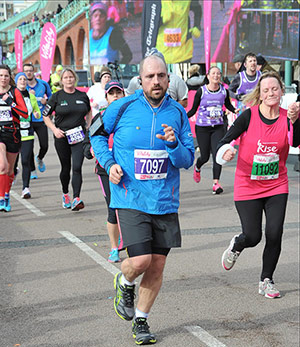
x: 139, y: 143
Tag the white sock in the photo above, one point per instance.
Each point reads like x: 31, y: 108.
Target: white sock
x: 140, y: 314
x: 123, y: 281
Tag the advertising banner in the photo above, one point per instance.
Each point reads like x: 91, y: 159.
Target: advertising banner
x: 196, y: 31
x: 19, y: 50
x: 47, y: 49
x: 207, y: 5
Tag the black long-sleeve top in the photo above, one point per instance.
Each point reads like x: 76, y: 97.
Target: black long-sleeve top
x: 198, y: 97
x: 241, y: 125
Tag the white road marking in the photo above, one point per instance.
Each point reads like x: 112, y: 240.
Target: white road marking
x: 90, y: 252
x: 27, y: 204
x: 197, y: 331
x: 204, y: 336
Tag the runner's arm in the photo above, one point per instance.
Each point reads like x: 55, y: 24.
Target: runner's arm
x: 196, y: 103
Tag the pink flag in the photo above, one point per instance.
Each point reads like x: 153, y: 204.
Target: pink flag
x: 47, y: 49
x: 19, y: 49
x: 207, y: 4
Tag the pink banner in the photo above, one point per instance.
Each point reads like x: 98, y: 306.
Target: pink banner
x: 226, y: 46
x: 47, y: 49
x: 207, y: 4
x: 19, y: 50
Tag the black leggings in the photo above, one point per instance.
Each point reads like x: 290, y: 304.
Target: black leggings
x: 208, y: 139
x: 26, y: 154
x: 250, y: 213
x: 42, y: 132
x: 65, y: 152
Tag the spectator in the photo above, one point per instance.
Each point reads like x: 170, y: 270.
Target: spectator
x: 195, y: 79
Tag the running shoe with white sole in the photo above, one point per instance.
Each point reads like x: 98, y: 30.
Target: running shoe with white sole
x: 66, y: 201
x: 114, y: 256
x: 124, y: 300
x: 26, y: 193
x: 229, y: 258
x: 267, y: 288
x: 77, y: 204
x: 196, y: 175
x: 33, y: 175
x: 217, y: 189
x: 41, y: 164
x: 141, y: 332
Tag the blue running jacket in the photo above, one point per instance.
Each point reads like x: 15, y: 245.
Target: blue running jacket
x: 151, y: 178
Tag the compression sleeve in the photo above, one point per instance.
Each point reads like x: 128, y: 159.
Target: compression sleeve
x: 228, y: 103
x: 239, y: 126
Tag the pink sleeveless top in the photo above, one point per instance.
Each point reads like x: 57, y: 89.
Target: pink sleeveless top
x: 263, y: 151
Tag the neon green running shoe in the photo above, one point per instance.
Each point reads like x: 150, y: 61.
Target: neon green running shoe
x: 124, y: 300
x: 141, y: 332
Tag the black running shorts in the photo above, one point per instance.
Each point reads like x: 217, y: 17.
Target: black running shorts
x: 138, y: 227
x: 12, y: 140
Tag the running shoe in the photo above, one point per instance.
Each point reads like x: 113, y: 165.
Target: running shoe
x: 114, y: 256
x: 267, y: 288
x: 33, y: 175
x: 77, y: 204
x: 7, y: 207
x: 26, y: 193
x: 196, y: 175
x: 217, y: 189
x: 141, y: 332
x: 229, y: 257
x: 2, y: 204
x: 66, y: 201
x: 124, y: 300
x: 41, y: 164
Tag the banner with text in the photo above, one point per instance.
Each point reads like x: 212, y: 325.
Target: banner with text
x: 19, y: 50
x: 47, y: 49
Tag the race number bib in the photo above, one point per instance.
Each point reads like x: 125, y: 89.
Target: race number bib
x: 75, y: 135
x: 24, y: 125
x: 265, y: 167
x: 214, y: 111
x: 5, y: 114
x: 24, y: 133
x: 150, y: 164
x: 172, y: 37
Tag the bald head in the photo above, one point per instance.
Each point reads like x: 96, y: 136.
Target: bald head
x: 149, y: 60
x: 154, y: 79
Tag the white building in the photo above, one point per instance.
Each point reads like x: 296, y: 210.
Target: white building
x: 6, y: 9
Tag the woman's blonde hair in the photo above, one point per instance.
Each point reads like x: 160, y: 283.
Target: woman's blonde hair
x: 253, y: 98
x: 68, y: 69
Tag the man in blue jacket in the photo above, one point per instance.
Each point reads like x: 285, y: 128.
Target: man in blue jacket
x: 152, y: 141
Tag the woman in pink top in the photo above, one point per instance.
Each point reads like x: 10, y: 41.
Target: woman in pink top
x: 261, y: 182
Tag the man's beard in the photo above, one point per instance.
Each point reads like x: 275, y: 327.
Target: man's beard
x: 30, y: 79
x: 155, y: 101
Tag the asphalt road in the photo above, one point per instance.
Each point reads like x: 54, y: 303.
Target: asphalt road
x: 56, y: 286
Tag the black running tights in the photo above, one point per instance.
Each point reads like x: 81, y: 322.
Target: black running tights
x: 26, y: 153
x: 208, y: 139
x: 68, y: 154
x: 250, y: 213
x: 42, y: 132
